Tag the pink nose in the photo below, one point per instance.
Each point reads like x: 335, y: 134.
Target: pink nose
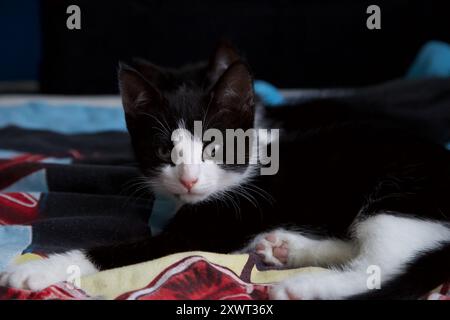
x: 188, y: 183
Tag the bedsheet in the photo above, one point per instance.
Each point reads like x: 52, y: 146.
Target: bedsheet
x: 65, y: 185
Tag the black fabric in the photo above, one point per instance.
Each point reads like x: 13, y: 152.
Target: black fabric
x: 425, y: 102
x: 102, y: 147
x: 81, y: 204
x: 290, y: 43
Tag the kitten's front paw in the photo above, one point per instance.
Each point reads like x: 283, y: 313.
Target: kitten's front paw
x: 39, y: 274
x: 273, y: 248
x: 34, y: 275
x: 283, y: 248
x: 320, y: 285
x: 303, y: 287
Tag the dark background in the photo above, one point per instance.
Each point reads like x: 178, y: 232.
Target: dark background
x: 310, y: 43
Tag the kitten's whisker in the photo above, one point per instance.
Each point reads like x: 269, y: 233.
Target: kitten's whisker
x: 206, y: 113
x: 139, y: 189
x: 248, y: 196
x: 226, y: 196
x: 131, y: 183
x: 165, y: 129
x: 263, y: 193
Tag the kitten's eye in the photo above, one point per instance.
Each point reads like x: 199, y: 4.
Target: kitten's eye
x: 211, y: 151
x: 164, y: 153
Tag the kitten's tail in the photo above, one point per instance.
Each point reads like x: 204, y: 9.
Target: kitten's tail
x: 422, y: 275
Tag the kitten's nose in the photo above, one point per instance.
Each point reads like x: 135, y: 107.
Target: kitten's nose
x: 188, y: 183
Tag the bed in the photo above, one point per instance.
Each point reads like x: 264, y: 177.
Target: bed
x: 66, y: 179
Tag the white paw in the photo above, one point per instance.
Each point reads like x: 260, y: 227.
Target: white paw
x: 34, y: 275
x: 273, y: 249
x: 39, y: 274
x: 303, y: 287
x: 320, y: 285
x: 281, y: 247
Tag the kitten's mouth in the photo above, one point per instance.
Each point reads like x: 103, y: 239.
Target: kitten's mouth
x: 191, y: 197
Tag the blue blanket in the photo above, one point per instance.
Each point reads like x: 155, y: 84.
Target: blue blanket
x: 88, y: 118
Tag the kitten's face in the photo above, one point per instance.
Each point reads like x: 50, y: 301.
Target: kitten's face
x: 170, y: 152
x: 185, y: 169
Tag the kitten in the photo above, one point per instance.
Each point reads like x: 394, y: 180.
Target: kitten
x: 226, y: 105
x: 361, y: 193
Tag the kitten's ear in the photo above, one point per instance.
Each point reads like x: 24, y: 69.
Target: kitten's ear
x: 153, y: 73
x: 223, y: 56
x: 233, y: 93
x: 138, y: 95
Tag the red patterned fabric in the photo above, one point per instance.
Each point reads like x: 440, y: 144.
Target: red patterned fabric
x: 442, y: 294
x: 56, y: 292
x: 18, y: 207
x: 194, y: 278
x: 18, y: 167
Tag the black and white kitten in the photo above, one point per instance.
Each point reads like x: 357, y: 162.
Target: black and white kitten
x: 356, y: 192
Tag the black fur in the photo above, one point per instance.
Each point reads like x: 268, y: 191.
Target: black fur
x: 157, y: 99
x: 337, y: 164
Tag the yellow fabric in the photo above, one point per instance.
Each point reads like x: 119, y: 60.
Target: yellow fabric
x: 110, y: 284
x: 271, y: 276
x: 26, y: 258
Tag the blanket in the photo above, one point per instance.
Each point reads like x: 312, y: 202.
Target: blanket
x: 63, y: 189
x: 183, y: 276
x: 60, y: 190
x: 57, y: 200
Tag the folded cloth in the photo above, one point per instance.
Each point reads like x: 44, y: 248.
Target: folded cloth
x: 52, y: 205
x: 89, y: 118
x: 14, y: 240
x: 269, y: 94
x: 83, y: 118
x: 82, y: 190
x: 433, y: 60
x: 182, y: 276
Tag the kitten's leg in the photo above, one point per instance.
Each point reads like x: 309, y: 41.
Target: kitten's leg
x: 184, y: 233
x: 36, y: 275
x: 282, y: 247
x: 39, y: 274
x: 387, y: 243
